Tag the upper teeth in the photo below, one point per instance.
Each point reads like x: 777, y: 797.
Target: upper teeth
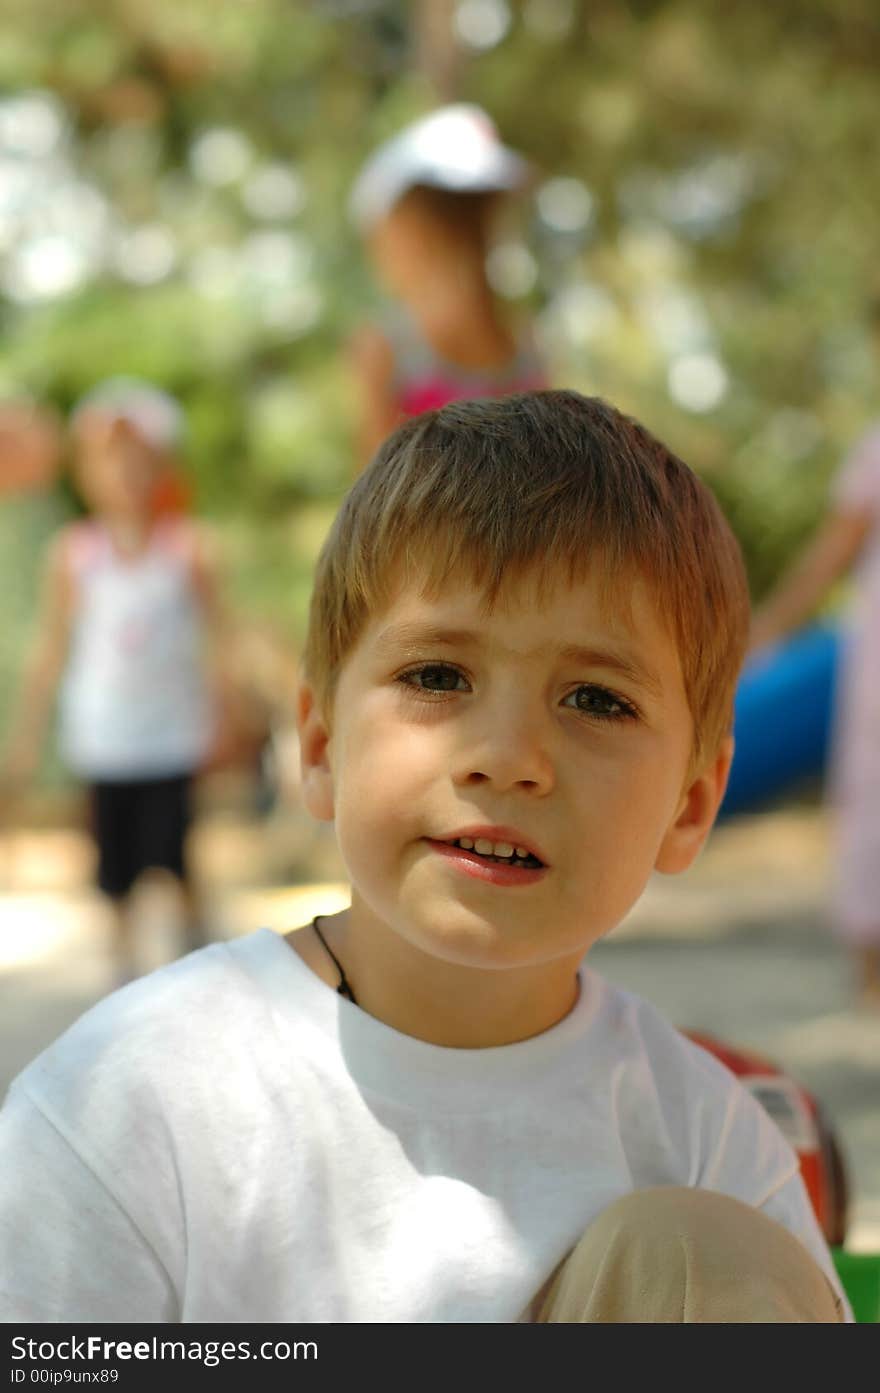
x: 487, y: 848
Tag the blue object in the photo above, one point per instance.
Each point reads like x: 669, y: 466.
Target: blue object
x: 783, y: 716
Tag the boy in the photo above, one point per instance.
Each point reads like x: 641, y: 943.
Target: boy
x: 130, y: 597
x: 524, y: 638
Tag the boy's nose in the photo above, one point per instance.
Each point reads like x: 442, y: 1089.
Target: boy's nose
x: 509, y: 750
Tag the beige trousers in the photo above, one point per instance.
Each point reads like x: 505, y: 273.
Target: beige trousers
x: 676, y: 1256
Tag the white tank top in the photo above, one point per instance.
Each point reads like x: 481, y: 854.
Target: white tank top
x: 134, y: 700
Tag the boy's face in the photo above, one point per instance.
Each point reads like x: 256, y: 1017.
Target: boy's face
x: 564, y: 731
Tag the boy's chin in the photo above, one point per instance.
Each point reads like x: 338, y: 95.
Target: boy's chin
x: 488, y: 947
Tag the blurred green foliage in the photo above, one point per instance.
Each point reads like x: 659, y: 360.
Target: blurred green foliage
x: 717, y: 287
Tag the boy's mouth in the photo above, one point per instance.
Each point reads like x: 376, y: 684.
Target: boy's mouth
x: 500, y: 852
x: 498, y: 855
x: 486, y: 865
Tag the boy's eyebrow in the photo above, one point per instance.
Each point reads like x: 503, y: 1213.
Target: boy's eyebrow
x: 412, y: 636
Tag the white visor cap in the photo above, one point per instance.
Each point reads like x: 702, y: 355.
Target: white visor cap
x: 155, y: 415
x: 456, y: 148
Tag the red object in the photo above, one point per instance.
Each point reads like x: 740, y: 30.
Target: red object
x: 429, y: 393
x: 799, y: 1117
x: 171, y: 495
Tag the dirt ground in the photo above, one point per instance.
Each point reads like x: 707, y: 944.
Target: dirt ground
x: 738, y: 947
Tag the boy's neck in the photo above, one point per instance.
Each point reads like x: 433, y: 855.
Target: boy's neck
x: 433, y: 1000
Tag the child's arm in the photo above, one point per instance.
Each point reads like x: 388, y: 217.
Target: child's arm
x: 372, y: 360
x: 231, y: 711
x: 45, y: 662
x: 206, y: 579
x: 829, y: 554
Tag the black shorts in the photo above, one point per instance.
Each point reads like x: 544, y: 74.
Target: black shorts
x: 140, y: 825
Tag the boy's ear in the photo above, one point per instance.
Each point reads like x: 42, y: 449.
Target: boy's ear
x: 696, y: 812
x: 314, y: 741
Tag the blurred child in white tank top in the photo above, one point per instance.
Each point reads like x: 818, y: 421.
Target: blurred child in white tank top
x: 130, y: 600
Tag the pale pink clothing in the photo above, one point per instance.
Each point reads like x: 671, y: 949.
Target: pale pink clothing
x: 855, y: 782
x: 424, y: 381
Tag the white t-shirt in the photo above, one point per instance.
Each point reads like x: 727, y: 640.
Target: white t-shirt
x: 230, y: 1140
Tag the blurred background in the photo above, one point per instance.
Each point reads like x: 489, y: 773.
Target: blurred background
x: 699, y: 245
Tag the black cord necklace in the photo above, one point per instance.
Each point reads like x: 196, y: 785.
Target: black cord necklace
x: 343, y: 989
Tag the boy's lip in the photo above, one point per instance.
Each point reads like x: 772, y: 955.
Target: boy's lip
x: 495, y: 833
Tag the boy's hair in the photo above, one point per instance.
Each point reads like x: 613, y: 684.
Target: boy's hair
x: 548, y: 484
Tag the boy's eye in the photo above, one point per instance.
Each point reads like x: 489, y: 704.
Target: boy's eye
x: 434, y: 677
x: 598, y: 701
x: 592, y: 700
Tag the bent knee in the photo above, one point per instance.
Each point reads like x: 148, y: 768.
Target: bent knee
x: 680, y: 1254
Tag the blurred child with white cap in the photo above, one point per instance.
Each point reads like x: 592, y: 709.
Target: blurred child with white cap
x: 130, y: 597
x: 424, y: 203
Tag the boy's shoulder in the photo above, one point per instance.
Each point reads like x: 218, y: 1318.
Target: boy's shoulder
x: 656, y: 1067
x: 637, y: 1029
x: 669, y: 1087
x: 155, y: 1036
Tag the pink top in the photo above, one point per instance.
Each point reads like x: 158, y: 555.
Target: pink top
x: 424, y: 381
x: 856, y: 771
